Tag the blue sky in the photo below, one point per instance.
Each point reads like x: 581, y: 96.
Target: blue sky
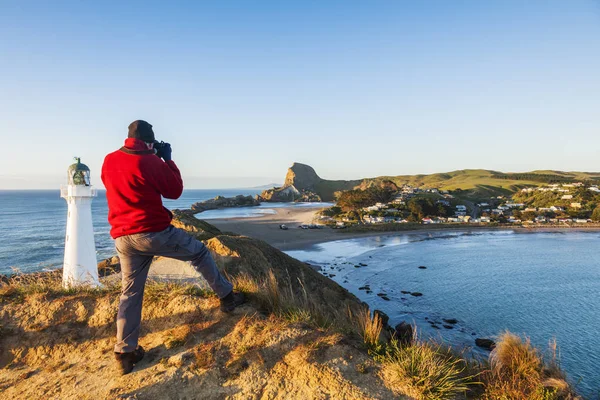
x: 243, y: 88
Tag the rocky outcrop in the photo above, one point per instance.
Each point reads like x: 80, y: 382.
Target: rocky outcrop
x: 287, y: 194
x: 201, y: 230
x: 280, y: 194
x: 306, y: 185
x: 225, y: 202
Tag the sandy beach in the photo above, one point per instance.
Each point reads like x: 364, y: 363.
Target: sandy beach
x: 266, y: 228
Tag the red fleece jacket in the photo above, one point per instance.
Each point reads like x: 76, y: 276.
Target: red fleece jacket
x: 135, y: 179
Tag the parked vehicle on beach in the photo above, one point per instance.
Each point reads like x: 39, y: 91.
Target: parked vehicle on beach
x: 283, y: 226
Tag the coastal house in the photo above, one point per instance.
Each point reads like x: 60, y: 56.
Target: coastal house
x: 485, y: 220
x: 557, y: 209
x: 580, y: 221
x: 594, y: 189
x: 530, y: 209
x: 567, y: 197
x: 576, y: 205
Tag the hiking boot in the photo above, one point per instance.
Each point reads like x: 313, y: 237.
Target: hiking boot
x: 231, y: 301
x: 126, y: 361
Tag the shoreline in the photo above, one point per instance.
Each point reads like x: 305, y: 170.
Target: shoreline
x: 266, y: 228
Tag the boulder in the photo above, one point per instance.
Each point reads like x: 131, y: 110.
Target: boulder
x: 385, y: 319
x: 487, y: 344
x: 404, y: 333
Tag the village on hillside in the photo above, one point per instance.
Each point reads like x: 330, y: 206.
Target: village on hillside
x: 552, y: 204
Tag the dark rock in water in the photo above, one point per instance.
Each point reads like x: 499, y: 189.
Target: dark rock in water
x: 345, y: 281
x: 357, y: 266
x: 426, y: 318
x: 381, y: 294
x: 416, y: 294
x: 451, y: 321
x: 422, y: 267
x: 473, y: 334
x: 448, y: 326
x: 331, y: 275
x: 404, y: 333
x: 369, y: 291
x: 434, y: 326
x: 363, y: 264
x: 366, y: 287
x: 404, y: 292
x: 403, y: 298
x: 385, y: 298
x: 382, y: 316
x: 332, y: 267
x: 487, y: 344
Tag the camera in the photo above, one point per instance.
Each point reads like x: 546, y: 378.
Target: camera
x: 159, y: 146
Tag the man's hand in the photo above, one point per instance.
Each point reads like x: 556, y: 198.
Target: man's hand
x: 165, y: 152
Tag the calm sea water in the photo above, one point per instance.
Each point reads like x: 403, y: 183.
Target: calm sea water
x: 544, y: 285
x: 33, y: 223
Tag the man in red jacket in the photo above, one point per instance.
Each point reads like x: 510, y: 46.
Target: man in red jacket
x: 136, y: 178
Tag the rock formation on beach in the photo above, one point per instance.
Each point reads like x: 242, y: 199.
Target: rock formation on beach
x: 225, y: 202
x: 303, y: 184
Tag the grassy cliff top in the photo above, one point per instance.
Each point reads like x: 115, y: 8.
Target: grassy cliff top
x: 300, y: 336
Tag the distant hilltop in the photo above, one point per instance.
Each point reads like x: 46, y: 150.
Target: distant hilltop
x: 302, y: 183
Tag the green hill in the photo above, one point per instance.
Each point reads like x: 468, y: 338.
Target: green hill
x: 477, y: 183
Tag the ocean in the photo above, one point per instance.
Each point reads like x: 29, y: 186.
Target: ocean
x: 33, y: 223
x: 543, y: 285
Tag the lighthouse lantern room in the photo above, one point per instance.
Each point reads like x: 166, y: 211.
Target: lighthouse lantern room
x: 80, y: 263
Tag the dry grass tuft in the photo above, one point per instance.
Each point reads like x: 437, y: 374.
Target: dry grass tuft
x: 424, y: 371
x: 370, y: 328
x: 19, y: 286
x: 518, y: 371
x: 281, y: 299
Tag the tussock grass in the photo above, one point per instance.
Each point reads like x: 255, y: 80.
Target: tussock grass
x: 283, y: 301
x: 518, y: 371
x: 370, y: 329
x: 19, y: 286
x: 160, y: 290
x: 424, y: 370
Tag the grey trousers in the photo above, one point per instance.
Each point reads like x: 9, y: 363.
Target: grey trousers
x: 136, y: 253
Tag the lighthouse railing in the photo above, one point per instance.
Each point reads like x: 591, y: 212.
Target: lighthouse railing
x: 77, y: 191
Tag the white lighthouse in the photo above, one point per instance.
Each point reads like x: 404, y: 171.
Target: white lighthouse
x: 80, y: 265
